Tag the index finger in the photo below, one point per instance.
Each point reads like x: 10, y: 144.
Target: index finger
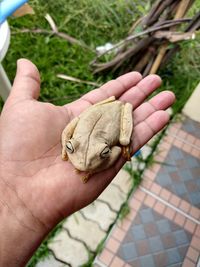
x: 115, y: 88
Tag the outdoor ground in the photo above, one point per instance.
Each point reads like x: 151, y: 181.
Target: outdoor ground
x: 94, y: 23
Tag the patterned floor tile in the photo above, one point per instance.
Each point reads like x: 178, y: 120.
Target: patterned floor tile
x: 191, y: 127
x: 180, y: 174
x: 154, y: 241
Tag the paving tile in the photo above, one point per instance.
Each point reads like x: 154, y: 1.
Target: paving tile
x: 179, y: 219
x: 50, y: 261
x: 159, y: 239
x: 163, y: 226
x: 106, y: 257
x: 182, y: 251
x: 149, y: 201
x: 173, y: 256
x: 143, y: 247
x: 185, y: 206
x: 188, y: 263
x: 124, y: 224
x: 190, y: 226
x: 197, y: 232
x: 156, y: 244
x: 117, y: 262
x: 64, y: 248
x: 78, y: 227
x: 128, y: 252
x: 165, y: 194
x: 159, y: 207
x: 150, y: 229
x: 113, y: 196
x: 146, y: 215
x: 195, y: 243
x: 155, y: 189
x: 131, y: 215
x: 169, y: 213
x: 168, y: 240
x: 174, y: 226
x: 135, y: 204
x: 160, y: 259
x: 139, y: 195
x: 180, y: 175
x: 181, y: 237
x: 118, y: 234
x: 100, y: 213
x: 123, y: 180
x: 195, y: 212
x: 147, y: 261
x: 137, y: 219
x: 138, y: 232
x: 112, y: 244
x: 193, y: 254
x: 175, y: 200
x: 135, y: 263
x: 191, y: 127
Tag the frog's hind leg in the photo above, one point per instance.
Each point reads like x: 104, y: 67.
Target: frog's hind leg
x: 105, y: 101
x: 67, y: 134
x: 126, y: 129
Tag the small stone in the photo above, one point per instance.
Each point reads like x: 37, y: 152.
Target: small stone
x: 114, y: 196
x: 146, y: 151
x: 123, y: 180
x: 100, y: 213
x: 69, y: 250
x: 87, y: 231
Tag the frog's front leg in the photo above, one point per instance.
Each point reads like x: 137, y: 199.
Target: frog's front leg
x: 126, y: 128
x: 67, y: 134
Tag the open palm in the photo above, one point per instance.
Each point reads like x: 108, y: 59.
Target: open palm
x: 30, y: 141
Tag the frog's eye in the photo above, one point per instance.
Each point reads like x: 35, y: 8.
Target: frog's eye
x: 69, y: 147
x: 105, y: 153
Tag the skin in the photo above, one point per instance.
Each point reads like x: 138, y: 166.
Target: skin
x: 93, y: 140
x: 38, y: 188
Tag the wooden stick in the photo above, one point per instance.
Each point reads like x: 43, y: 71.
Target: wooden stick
x: 63, y: 35
x: 123, y: 56
x: 182, y: 9
x: 179, y: 14
x: 161, y: 25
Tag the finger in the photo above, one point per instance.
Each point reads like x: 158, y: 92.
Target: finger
x: 145, y: 130
x: 112, y: 88
x: 137, y: 94
x: 27, y: 81
x: 161, y: 101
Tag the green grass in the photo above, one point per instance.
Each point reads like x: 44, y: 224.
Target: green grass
x: 94, y: 23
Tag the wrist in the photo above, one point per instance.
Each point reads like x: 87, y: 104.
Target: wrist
x: 21, y: 233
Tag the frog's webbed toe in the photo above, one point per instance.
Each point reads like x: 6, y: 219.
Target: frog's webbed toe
x: 86, y: 177
x: 126, y: 152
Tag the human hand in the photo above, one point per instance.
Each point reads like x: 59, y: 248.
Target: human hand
x: 38, y: 186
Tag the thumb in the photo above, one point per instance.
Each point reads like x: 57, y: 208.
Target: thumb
x: 27, y: 81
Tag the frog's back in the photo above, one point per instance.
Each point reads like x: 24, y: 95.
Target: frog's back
x: 101, y: 122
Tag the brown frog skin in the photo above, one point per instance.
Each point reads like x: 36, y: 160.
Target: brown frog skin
x: 95, y: 139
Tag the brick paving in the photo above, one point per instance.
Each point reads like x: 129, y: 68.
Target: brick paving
x: 163, y: 226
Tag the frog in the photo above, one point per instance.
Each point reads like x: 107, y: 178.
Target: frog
x: 94, y: 140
